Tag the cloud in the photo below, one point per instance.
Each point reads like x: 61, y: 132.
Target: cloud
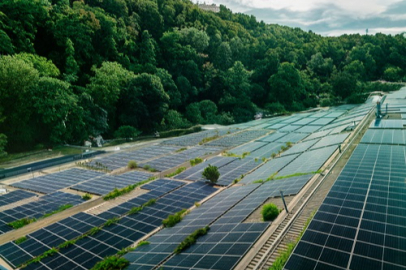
x: 327, y: 18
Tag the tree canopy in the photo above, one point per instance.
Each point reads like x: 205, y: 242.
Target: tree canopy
x: 71, y: 69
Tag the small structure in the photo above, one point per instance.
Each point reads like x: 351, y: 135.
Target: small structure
x: 211, y: 7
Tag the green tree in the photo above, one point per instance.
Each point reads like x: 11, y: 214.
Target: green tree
x: 174, y: 120
x: 286, y: 85
x: 143, y: 103
x: 17, y: 77
x: 44, y: 66
x: 211, y: 173
x: 58, y: 110
x: 126, y: 132
x: 269, y: 212
x: 223, y: 58
x: 147, y: 49
x: 106, y: 86
x: 71, y: 67
x: 392, y: 74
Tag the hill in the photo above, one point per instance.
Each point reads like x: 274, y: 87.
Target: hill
x: 70, y: 69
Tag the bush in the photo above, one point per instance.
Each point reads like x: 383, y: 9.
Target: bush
x: 195, y: 161
x: 126, y: 132
x: 269, y: 212
x: 86, y: 197
x: 174, y: 219
x: 191, y: 239
x: 21, y: 222
x: 211, y: 173
x: 275, y: 108
x: 112, y: 262
x: 20, y: 240
x: 132, y: 164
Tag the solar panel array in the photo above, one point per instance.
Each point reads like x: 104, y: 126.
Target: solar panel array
x: 195, y: 172
x: 196, y: 138
x: 268, y: 169
x: 309, y: 161
x: 88, y: 251
x: 385, y: 136
x: 53, y: 182
x: 174, y: 160
x: 331, y: 140
x: 228, y: 239
x: 45, y: 204
x: 105, y: 184
x: 300, y: 147
x: 230, y: 168
x: 360, y: 224
x: 164, y: 242
x: 15, y: 196
x: 238, y: 138
x: 249, y: 147
x: 120, y: 159
x: 386, y: 123
x: 266, y: 151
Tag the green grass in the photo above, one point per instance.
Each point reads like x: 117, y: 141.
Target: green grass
x: 178, y: 171
x: 91, y: 232
x: 86, y: 197
x: 118, y: 192
x: 60, y: 209
x: 280, y: 262
x: 209, y: 139
x: 181, y: 149
x: 191, y: 239
x: 17, y: 159
x: 174, y: 219
x: 20, y: 240
x: 194, y: 162
x: 16, y: 224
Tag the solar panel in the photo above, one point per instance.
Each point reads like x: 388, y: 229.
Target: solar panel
x: 53, y: 182
x: 386, y: 123
x: 105, y: 184
x: 300, y: 147
x: 309, y: 161
x: 45, y: 204
x: 384, y: 136
x: 15, y: 196
x: 171, y: 161
x: 238, y: 138
x: 360, y: 223
x: 331, y: 140
x: 268, y: 169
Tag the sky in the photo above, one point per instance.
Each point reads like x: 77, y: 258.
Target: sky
x: 326, y: 17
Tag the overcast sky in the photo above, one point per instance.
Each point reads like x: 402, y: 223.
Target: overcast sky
x: 329, y: 18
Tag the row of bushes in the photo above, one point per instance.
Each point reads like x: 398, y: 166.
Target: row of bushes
x: 91, y: 232
x: 25, y: 221
x: 118, y: 192
x: 195, y: 161
x: 178, y: 171
x: 172, y: 220
x: 191, y: 239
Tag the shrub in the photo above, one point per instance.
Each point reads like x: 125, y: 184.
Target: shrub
x: 178, y: 171
x: 269, y: 212
x: 132, y: 164
x: 21, y: 222
x: 195, y: 161
x: 86, y: 197
x: 111, y: 262
x: 20, y: 240
x: 126, y: 132
x: 211, y: 173
x: 191, y: 239
x: 172, y: 220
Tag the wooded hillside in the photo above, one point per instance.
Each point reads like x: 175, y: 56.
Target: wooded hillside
x: 70, y: 69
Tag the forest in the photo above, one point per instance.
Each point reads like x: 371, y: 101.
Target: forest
x: 73, y: 69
